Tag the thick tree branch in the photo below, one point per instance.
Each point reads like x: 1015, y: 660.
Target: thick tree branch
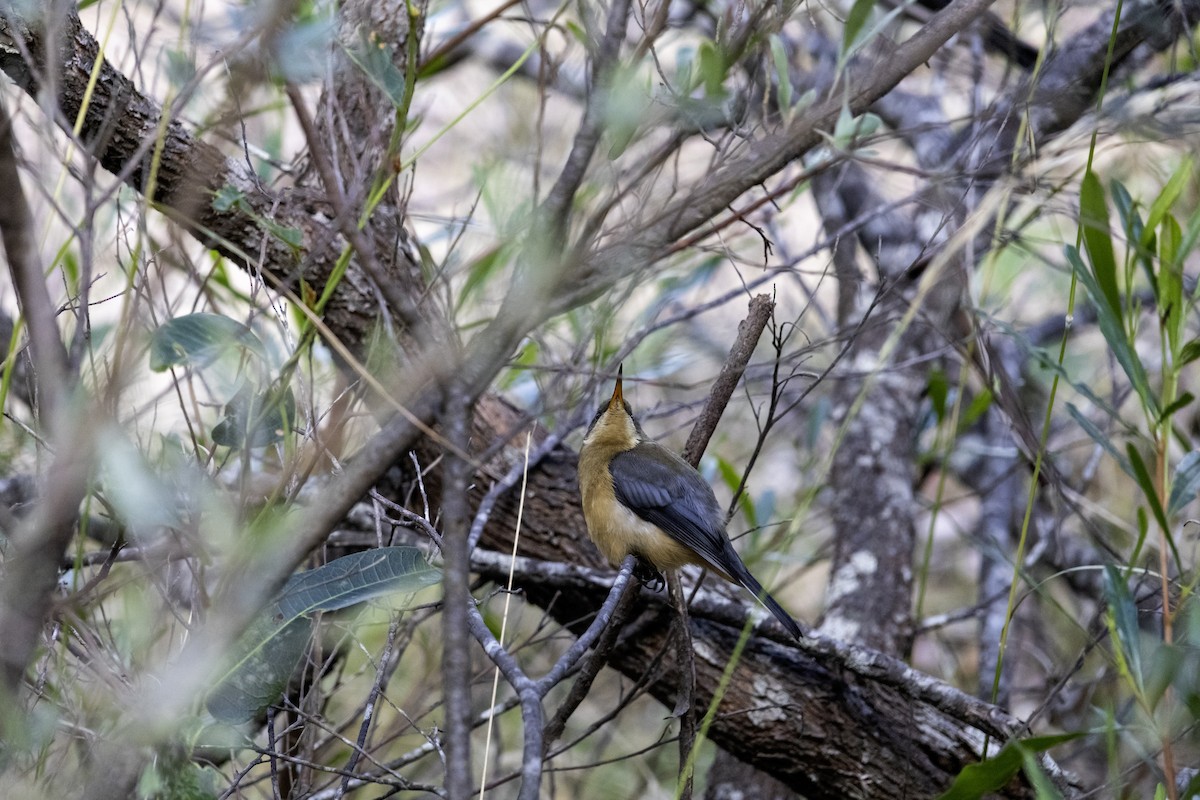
x: 35, y: 545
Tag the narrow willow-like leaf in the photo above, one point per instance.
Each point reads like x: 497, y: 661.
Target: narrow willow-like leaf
x: 1167, y: 197
x: 1179, y: 403
x: 731, y: 476
x: 1122, y: 619
x: 1141, y: 474
x: 1093, y: 216
x: 1133, y: 227
x: 938, y: 390
x: 1189, y: 352
x: 979, y: 404
x: 784, y: 91
x: 711, y: 62
x: 1113, y: 331
x: 1170, y: 280
x: 1038, y: 778
x: 977, y: 780
x: 1099, y: 437
x: 1186, y: 483
x: 856, y: 20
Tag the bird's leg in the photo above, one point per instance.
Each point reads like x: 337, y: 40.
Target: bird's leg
x: 647, y: 575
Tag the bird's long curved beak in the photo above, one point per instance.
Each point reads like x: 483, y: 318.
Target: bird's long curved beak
x: 618, y: 398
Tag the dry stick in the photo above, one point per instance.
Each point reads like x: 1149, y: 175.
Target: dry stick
x: 369, y: 709
x: 685, y: 704
x: 457, y: 600
x: 590, y: 667
x: 750, y: 330
x: 508, y: 593
x: 530, y: 691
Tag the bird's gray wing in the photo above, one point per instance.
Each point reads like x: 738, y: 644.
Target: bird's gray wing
x: 663, y: 489
x: 666, y: 491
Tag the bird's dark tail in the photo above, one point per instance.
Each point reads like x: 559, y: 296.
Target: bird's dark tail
x: 741, y: 574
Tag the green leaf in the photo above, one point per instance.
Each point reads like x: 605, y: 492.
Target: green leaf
x: 856, y: 20
x: 1170, y: 280
x: 1133, y: 226
x: 1041, y: 783
x: 356, y: 578
x: 196, y: 340
x: 1166, y: 199
x: 977, y: 780
x: 171, y: 776
x: 979, y: 404
x: 939, y: 391
x: 1185, y: 483
x: 1143, y: 529
x: 625, y: 107
x: 1189, y: 352
x: 292, y: 237
x: 849, y: 129
x: 227, y: 198
x: 711, y: 62
x: 685, y: 66
x: 1180, y: 402
x: 181, y: 66
x: 1093, y: 216
x: 300, y: 47
x: 479, y: 272
x: 784, y: 91
x: 1169, y: 665
x: 256, y: 419
x: 579, y: 33
x: 265, y: 657
x: 1122, y: 623
x: 1099, y: 437
x: 1142, y: 475
x: 1045, y: 361
x: 142, y: 499
x: 1113, y: 331
x: 731, y: 476
x: 376, y: 59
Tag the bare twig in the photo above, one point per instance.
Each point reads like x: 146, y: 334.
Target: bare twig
x: 456, y: 659
x: 685, y: 702
x: 558, y: 203
x: 749, y: 332
x: 611, y: 622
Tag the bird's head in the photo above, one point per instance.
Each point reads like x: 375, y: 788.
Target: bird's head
x: 614, y: 425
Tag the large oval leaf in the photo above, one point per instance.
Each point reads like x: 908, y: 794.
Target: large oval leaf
x: 197, y: 340
x: 264, y: 659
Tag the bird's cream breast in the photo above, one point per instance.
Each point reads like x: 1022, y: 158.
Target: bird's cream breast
x: 616, y: 530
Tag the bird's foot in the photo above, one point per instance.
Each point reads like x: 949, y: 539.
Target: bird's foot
x: 648, y: 576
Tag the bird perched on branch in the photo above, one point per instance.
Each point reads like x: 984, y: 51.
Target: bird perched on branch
x: 640, y: 498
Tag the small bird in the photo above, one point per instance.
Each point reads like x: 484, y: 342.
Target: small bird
x: 640, y: 498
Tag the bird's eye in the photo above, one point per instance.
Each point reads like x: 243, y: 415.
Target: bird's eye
x: 599, y: 413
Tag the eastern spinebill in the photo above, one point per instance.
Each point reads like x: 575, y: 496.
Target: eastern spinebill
x: 640, y: 498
